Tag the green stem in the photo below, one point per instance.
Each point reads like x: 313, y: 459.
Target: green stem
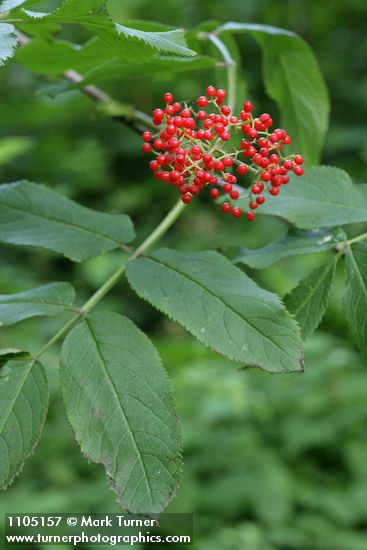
x: 153, y: 238
x: 231, y: 66
x: 343, y: 245
x: 361, y: 237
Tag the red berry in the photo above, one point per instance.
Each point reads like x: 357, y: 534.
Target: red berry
x: 184, y: 189
x: 250, y: 216
x: 146, y: 148
x: 227, y: 187
x: 158, y: 114
x: 274, y: 159
x: 236, y: 212
x: 186, y: 198
x: 260, y: 199
x: 196, y: 150
x: 234, y: 194
x: 264, y: 162
x: 174, y: 175
x: 194, y: 189
x: 298, y: 159
x: 256, y: 189
x: 226, y: 207
x: 147, y: 136
x: 214, y: 193
x: 252, y: 133
x: 298, y: 171
x: 274, y: 191
x: 225, y: 136
x: 171, y: 129
x: 245, y: 116
x: 185, y: 113
x: 211, y: 91
x: 173, y: 142
x: 242, y: 169
x: 227, y: 161
x: 169, y: 110
x: 264, y: 118
x: 221, y: 94
x: 248, y: 106
x: 225, y: 110
x: 202, y: 101
x: 266, y: 176
x: 257, y: 158
x: 280, y: 133
x: 168, y: 97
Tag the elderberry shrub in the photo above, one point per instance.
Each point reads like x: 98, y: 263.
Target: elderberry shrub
x: 190, y: 151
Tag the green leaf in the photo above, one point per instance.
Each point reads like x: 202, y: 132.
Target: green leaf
x: 308, y: 300
x: 133, y: 45
x: 221, y: 306
x: 8, y: 5
x: 323, y: 197
x: 47, y: 300
x: 356, y: 293
x: 55, y: 57
x: 23, y: 409
x: 8, y: 42
x: 7, y: 354
x: 293, y: 79
x: 13, y: 146
x: 292, y: 244
x: 117, y: 70
x: 33, y: 215
x: 362, y: 188
x: 119, y: 402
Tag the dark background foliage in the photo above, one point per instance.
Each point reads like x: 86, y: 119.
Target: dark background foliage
x: 271, y: 462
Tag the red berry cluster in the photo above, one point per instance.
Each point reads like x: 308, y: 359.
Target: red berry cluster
x: 189, y: 151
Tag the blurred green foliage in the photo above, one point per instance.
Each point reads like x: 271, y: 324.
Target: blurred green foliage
x: 271, y: 462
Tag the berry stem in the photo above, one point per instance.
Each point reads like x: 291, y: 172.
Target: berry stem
x: 153, y: 238
x: 231, y: 66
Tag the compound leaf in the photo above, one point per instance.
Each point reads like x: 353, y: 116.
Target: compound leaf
x: 23, y: 409
x: 33, y: 215
x: 324, y: 196
x: 119, y: 402
x: 292, y: 244
x: 48, y: 300
x: 308, y: 300
x: 133, y: 45
x: 356, y: 293
x: 8, y: 42
x: 221, y: 306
